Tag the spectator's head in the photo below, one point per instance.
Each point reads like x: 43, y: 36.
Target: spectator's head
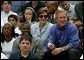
x: 29, y: 14
x: 61, y: 17
x: 7, y: 31
x: 52, y: 6
x: 13, y: 19
x: 65, y: 5
x: 6, y: 6
x: 42, y: 15
x: 25, y: 43
x: 25, y: 28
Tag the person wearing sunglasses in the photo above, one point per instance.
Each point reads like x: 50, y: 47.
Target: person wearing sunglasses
x: 40, y: 32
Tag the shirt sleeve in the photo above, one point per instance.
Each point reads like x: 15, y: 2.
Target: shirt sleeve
x: 52, y: 35
x: 73, y: 38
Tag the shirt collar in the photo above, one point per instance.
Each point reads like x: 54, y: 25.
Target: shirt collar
x: 28, y: 57
x: 44, y: 26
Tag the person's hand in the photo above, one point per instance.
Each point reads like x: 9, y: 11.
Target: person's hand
x: 51, y: 45
x: 56, y: 51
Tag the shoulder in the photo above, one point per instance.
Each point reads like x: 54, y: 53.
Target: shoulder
x: 71, y: 25
x: 35, y: 25
x: 11, y: 12
x: 54, y: 26
x: 14, y: 55
x: 17, y: 39
x: 51, y: 24
x: 33, y: 56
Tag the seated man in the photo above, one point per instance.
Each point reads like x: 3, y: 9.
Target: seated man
x: 63, y: 39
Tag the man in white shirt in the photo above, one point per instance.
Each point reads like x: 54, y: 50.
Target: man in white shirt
x: 6, y: 11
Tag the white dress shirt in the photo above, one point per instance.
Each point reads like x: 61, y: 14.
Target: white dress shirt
x: 4, y: 17
x: 18, y: 31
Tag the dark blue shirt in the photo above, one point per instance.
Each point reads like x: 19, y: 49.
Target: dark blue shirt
x: 18, y: 55
x: 67, y: 35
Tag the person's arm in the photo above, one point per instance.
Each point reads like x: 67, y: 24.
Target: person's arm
x: 73, y: 38
x: 64, y: 48
x: 51, y: 38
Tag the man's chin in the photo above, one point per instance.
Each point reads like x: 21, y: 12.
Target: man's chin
x: 62, y: 25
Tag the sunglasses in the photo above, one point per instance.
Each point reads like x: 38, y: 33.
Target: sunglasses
x: 45, y: 16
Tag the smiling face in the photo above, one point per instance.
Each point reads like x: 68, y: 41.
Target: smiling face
x: 28, y: 14
x: 43, y: 17
x: 62, y: 19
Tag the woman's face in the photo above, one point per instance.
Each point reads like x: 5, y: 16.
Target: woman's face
x: 28, y: 14
x: 7, y: 30
x: 25, y: 45
x: 43, y: 17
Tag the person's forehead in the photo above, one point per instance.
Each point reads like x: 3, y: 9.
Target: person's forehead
x: 43, y: 13
x: 6, y: 2
x: 62, y: 14
x: 25, y: 40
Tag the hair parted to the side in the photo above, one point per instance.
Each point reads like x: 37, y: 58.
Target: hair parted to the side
x: 61, y: 11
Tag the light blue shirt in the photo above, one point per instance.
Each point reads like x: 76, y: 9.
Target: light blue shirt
x: 39, y: 37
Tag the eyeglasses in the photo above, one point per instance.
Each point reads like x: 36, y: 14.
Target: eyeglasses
x: 45, y: 16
